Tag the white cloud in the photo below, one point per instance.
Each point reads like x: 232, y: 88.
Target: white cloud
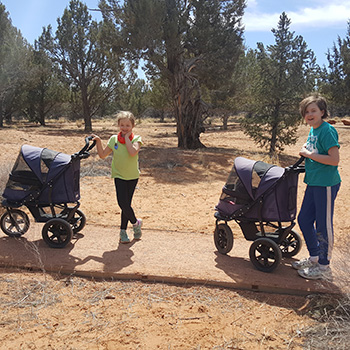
x: 337, y: 13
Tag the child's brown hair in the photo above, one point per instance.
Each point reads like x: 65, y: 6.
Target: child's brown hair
x: 319, y: 100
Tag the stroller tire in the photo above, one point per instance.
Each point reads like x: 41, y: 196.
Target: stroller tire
x: 223, y: 238
x: 57, y: 233
x: 78, y: 221
x: 291, y: 245
x: 14, y: 222
x: 265, y: 254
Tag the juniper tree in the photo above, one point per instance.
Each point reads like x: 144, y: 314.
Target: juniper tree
x: 335, y: 82
x: 83, y: 58
x: 190, y: 44
x: 285, y: 73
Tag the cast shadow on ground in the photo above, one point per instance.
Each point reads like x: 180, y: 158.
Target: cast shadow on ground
x: 114, y: 260
x: 20, y: 252
x: 283, y: 279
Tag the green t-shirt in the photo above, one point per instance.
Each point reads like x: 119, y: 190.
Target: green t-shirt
x: 124, y: 166
x: 320, y: 140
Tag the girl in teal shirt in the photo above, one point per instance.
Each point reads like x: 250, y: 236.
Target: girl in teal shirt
x: 322, y: 178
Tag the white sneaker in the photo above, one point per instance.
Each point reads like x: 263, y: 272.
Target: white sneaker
x: 303, y: 264
x: 137, y: 229
x: 316, y: 273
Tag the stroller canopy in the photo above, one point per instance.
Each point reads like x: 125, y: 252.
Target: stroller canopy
x: 256, y: 176
x: 44, y: 163
x: 251, y: 182
x: 35, y: 169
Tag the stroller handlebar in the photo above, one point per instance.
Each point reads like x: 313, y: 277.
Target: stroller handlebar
x: 297, y: 166
x: 299, y: 161
x: 84, y: 152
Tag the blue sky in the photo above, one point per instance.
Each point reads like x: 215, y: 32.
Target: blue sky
x: 320, y: 22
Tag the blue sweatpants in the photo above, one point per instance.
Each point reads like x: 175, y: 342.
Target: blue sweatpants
x: 316, y: 221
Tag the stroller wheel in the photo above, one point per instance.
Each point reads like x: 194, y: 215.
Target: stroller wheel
x: 14, y: 222
x: 78, y: 221
x: 265, y: 254
x: 57, y: 233
x: 223, y: 238
x: 291, y: 245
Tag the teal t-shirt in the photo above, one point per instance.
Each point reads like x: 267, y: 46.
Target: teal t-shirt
x: 320, y: 140
x: 124, y: 166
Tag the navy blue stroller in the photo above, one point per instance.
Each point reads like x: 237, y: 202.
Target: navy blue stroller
x: 47, y: 183
x: 262, y: 199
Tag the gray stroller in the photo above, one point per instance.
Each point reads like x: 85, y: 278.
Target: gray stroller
x: 262, y: 199
x: 47, y: 183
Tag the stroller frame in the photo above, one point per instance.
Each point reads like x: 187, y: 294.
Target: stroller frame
x: 272, y: 239
x: 62, y: 220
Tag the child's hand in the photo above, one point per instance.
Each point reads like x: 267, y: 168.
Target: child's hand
x: 95, y: 138
x: 305, y: 152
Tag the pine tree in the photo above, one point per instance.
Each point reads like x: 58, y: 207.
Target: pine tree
x: 285, y: 73
x: 84, y: 59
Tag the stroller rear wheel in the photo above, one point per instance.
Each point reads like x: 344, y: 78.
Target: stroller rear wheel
x: 223, y: 238
x: 14, y: 222
x: 57, y: 233
x: 265, y: 254
x: 291, y: 245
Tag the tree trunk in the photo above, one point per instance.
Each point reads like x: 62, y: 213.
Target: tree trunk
x: 274, y: 134
x: 188, y: 105
x: 86, y: 109
x: 189, y: 124
x: 1, y: 115
x: 41, y: 107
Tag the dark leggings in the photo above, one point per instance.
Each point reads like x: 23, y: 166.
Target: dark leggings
x: 125, y: 190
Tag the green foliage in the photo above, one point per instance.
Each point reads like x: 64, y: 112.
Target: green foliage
x: 84, y: 59
x: 335, y: 81
x: 180, y: 48
x: 135, y: 98
x: 15, y: 67
x: 285, y: 73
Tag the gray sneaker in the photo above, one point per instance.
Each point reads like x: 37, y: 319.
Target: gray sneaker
x: 137, y: 229
x: 303, y: 264
x: 316, y: 273
x: 124, y: 237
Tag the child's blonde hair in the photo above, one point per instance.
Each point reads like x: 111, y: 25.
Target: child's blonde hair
x: 319, y: 100
x: 126, y: 115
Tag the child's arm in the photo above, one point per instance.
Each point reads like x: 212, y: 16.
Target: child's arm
x: 102, y: 152
x: 332, y: 158
x: 133, y: 148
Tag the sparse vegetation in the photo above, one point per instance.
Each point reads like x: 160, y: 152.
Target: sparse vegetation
x: 41, y: 310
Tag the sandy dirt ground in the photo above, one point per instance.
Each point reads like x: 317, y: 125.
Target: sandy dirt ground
x: 177, y: 192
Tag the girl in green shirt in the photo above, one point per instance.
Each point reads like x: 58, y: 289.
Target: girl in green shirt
x: 125, y: 147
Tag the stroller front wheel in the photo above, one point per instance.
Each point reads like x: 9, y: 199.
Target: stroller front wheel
x: 291, y: 245
x: 57, y: 233
x: 78, y: 221
x: 223, y: 238
x: 14, y: 222
x: 265, y: 254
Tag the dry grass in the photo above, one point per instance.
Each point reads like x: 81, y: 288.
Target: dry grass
x: 108, y: 312
x: 332, y: 332
x: 41, y: 311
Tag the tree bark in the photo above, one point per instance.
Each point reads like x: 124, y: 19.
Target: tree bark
x: 86, y: 109
x: 188, y: 105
